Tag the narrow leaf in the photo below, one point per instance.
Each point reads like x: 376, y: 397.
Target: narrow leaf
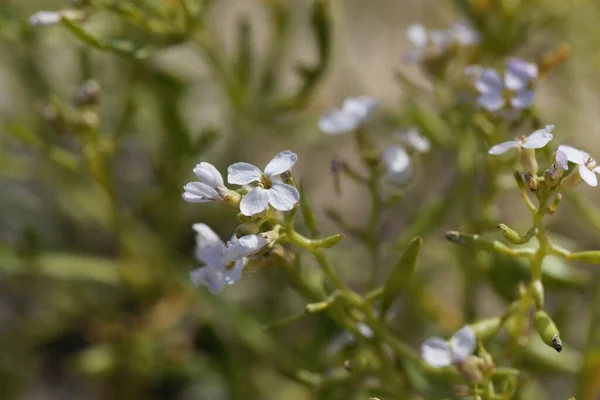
x: 401, y: 274
x: 308, y: 213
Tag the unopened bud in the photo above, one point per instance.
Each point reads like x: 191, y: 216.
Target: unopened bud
x: 232, y: 199
x: 531, y: 181
x: 528, y: 160
x: 547, y: 330
x: 329, y: 241
x: 470, y: 370
x: 87, y: 94
x: 537, y: 289
x: 486, y: 328
x: 513, y: 237
x: 554, y: 205
x: 246, y: 229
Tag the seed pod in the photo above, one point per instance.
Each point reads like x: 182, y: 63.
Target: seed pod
x: 537, y: 289
x: 547, y: 330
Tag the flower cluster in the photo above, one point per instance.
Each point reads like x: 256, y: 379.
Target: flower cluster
x: 436, y: 43
x: 514, y: 89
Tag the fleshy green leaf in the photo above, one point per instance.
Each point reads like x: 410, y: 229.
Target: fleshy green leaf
x: 401, y: 274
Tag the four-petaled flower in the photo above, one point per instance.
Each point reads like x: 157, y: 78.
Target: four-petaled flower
x: 245, y: 246
x: 439, y: 353
x: 587, y: 166
x: 217, y: 272
x: 271, y: 190
x: 494, y: 91
x: 398, y: 166
x: 536, y: 140
x: 210, y: 186
x: 354, y: 113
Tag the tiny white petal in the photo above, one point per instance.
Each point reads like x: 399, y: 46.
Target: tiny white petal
x: 519, y: 74
x: 504, y: 147
x: 209, y: 246
x: 365, y: 330
x: 255, y: 201
x: 282, y: 162
x: 463, y: 344
x: 491, y: 101
x: 574, y: 155
x: 414, y: 139
x: 243, y: 247
x: 538, y: 139
x: 597, y: 169
x: 588, y: 176
x: 398, y: 166
x: 362, y: 106
x: 242, y: 173
x: 208, y: 174
x: 43, y: 18
x: 197, y: 192
x: 338, y: 122
x: 464, y: 33
x: 436, y: 352
x: 283, y: 197
x: 209, y: 277
x: 562, y: 161
x: 522, y: 100
x: 489, y: 81
x: 417, y: 35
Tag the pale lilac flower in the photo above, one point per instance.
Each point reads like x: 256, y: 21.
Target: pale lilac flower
x: 536, y: 140
x: 412, y: 139
x: 587, y: 166
x: 494, y: 91
x: 346, y: 338
x: 464, y: 34
x: 217, y: 272
x: 245, y: 246
x: 210, y: 186
x: 281, y: 196
x: 398, y: 166
x: 45, y: 18
x: 426, y: 44
x: 439, y: 353
x: 354, y: 113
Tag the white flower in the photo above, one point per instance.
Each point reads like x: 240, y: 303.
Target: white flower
x: 44, y: 18
x: 398, y: 166
x: 354, y: 113
x: 245, y: 246
x: 587, y: 166
x: 210, y: 186
x: 517, y: 78
x: 216, y: 274
x: 281, y: 196
x: 425, y: 44
x: 439, y: 353
x: 536, y: 140
x: 464, y: 34
x: 414, y: 140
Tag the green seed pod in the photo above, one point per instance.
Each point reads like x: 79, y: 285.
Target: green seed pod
x: 547, y: 330
x: 486, y: 328
x: 511, y: 235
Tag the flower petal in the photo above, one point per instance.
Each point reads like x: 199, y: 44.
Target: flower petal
x: 417, y: 35
x: 43, y: 18
x: 539, y: 138
x: 504, y: 147
x: 588, y: 176
x: 519, y: 74
x: 463, y: 344
x: 256, y: 201
x: 243, y: 247
x: 282, y: 162
x: 197, y: 192
x: 522, y: 100
x: 464, y: 34
x: 436, y: 352
x: 574, y: 155
x: 562, y: 161
x: 283, y: 197
x: 365, y: 330
x: 398, y: 166
x: 242, y: 173
x: 208, y: 174
x: 489, y: 81
x: 338, y: 122
x: 597, y: 169
x: 491, y: 101
x: 209, y: 277
x: 362, y: 107
x: 209, y: 246
x: 412, y: 138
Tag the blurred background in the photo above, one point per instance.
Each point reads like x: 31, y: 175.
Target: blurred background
x: 97, y: 139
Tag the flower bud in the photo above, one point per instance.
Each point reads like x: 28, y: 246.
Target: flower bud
x: 486, y: 328
x: 547, y: 330
x: 513, y: 236
x: 87, y: 94
x: 531, y: 181
x: 246, y: 229
x: 552, y: 207
x: 329, y: 241
x: 470, y: 370
x: 528, y: 160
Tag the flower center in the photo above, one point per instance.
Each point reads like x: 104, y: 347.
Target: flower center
x: 266, y: 182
